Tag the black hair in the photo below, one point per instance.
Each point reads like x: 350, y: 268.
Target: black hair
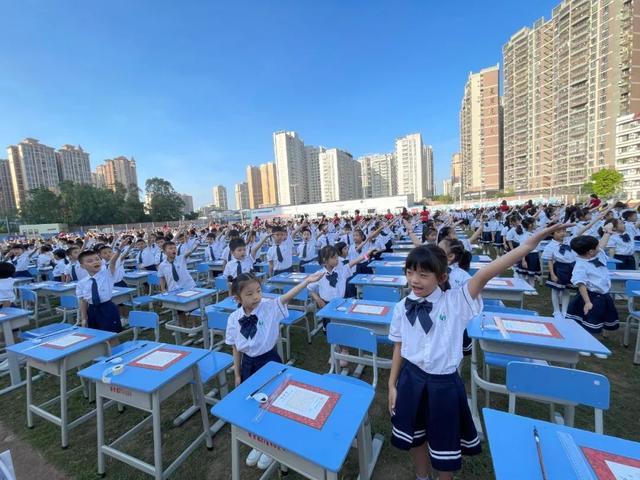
x: 166, y: 244
x: 304, y: 229
x: 627, y: 214
x: 61, y: 254
x: 234, y: 233
x: 236, y: 243
x: 211, y: 235
x: 461, y: 255
x: 241, y: 281
x: 428, y: 258
x: 339, y: 246
x: 7, y: 269
x: 46, y: 248
x: 612, y: 221
x: 582, y: 244
x: 526, y: 223
x: 275, y: 229
x: 347, y: 226
x: 85, y: 254
x: 326, y: 253
x: 100, y: 248
x: 443, y: 233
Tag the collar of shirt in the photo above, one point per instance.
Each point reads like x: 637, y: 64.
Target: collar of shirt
x: 433, y: 297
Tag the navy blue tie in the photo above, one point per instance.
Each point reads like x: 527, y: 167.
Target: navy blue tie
x: 179, y: 248
x: 420, y: 310
x: 304, y: 251
x: 333, y: 279
x: 95, y: 294
x: 174, y: 272
x: 249, y: 326
x: 564, y: 249
x: 625, y: 237
x: 140, y: 257
x: 211, y: 253
x: 74, y: 275
x: 279, y: 254
x: 160, y: 257
x: 238, y: 269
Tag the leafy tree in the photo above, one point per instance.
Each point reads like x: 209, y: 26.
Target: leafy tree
x: 606, y: 182
x: 132, y: 209
x: 42, y: 206
x: 191, y: 216
x: 165, y: 203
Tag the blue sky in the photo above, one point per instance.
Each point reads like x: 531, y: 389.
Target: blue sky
x: 194, y: 89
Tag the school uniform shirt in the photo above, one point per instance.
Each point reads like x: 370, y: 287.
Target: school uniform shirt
x: 595, y: 277
x: 347, y: 238
x: 624, y: 244
x: 579, y: 226
x: 59, y: 268
x: 146, y: 257
x: 231, y: 268
x: 226, y: 254
x: 21, y: 262
x: 558, y: 252
x: 269, y: 313
x: 631, y: 229
x: 286, y: 248
x: 80, y: 272
x: 6, y: 289
x: 512, y: 235
x: 185, y: 280
x: 439, y: 351
x: 457, y: 276
x: 310, y: 253
x: 210, y: 253
x: 492, y: 226
x: 160, y: 257
x: 323, y: 241
x: 44, y: 261
x: 118, y: 274
x: 104, y: 279
x: 324, y: 288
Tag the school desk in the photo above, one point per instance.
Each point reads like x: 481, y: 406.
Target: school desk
x: 394, y: 256
x: 144, y: 385
x: 514, y: 453
x: 216, y: 266
x: 287, y: 279
x: 137, y: 279
x: 186, y: 300
x: 481, y: 258
x: 619, y: 279
x: 565, y: 342
x: 403, y: 248
x: 316, y: 453
x: 507, y: 288
x: 119, y: 295
x: 49, y: 354
x: 43, y: 290
x: 396, y: 282
x: 395, y: 267
x: 59, y: 289
x: 13, y: 319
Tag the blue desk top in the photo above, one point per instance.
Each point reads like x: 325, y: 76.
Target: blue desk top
x: 575, y: 338
x: 137, y: 274
x: 387, y: 263
x: 117, y: 291
x: 148, y: 380
x: 339, y: 309
x: 365, y: 279
x: 174, y: 297
x: 60, y: 287
x: 38, y: 351
x: 624, y: 274
x: 326, y: 447
x: 514, y: 453
x: 215, y: 263
x: 289, y: 278
x: 41, y: 285
x: 9, y: 313
x: 395, y: 255
x: 518, y: 285
x: 46, y: 330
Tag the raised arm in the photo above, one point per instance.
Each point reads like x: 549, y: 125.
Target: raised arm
x: 499, y: 265
x: 477, y: 233
x: 287, y: 297
x: 362, y: 257
x: 256, y: 249
x: 593, y: 222
x: 604, y: 241
x: 414, y: 238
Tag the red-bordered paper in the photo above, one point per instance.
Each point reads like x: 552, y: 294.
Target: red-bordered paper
x: 528, y: 327
x: 159, y: 359
x: 303, y: 403
x: 368, y: 309
x: 603, y: 463
x: 67, y: 341
x: 499, y: 283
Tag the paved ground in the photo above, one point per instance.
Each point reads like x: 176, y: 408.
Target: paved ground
x: 28, y: 463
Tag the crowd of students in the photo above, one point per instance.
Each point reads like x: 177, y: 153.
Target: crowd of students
x: 427, y: 400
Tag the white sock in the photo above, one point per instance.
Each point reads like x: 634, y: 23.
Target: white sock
x: 566, y: 297
x: 555, y: 300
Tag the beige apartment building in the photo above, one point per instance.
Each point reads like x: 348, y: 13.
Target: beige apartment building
x: 566, y: 81
x: 254, y: 187
x: 7, y: 201
x: 339, y: 176
x: 456, y: 175
x: 119, y: 170
x: 269, y: 184
x: 220, y: 199
x: 628, y: 153
x: 414, y: 162
x: 379, y: 175
x: 32, y: 165
x: 481, y: 134
x: 73, y: 164
x: 242, y: 194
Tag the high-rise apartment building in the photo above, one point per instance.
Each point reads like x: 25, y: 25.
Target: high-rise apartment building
x: 73, y: 164
x: 119, y: 170
x: 243, y: 196
x: 456, y: 176
x: 446, y: 186
x: 32, y: 165
x: 7, y: 201
x: 188, y: 203
x: 339, y: 176
x: 254, y: 187
x: 480, y: 133
x: 414, y: 167
x: 628, y: 154
x: 220, y: 197
x: 291, y: 168
x: 312, y: 162
x: 566, y: 81
x: 269, y: 184
x: 379, y: 175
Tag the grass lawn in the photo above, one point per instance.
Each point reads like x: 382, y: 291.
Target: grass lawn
x: 79, y: 460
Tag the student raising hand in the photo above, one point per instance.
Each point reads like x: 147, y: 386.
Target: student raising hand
x: 499, y: 265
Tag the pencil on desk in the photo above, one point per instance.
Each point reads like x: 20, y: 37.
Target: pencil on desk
x: 539, y: 449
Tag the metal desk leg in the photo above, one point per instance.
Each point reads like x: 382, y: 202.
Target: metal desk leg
x: 157, y: 435
x: 63, y: 404
x: 14, y: 362
x: 29, y: 396
x: 235, y: 454
x: 368, y: 449
x: 474, y: 387
x: 203, y: 407
x: 100, y: 428
x: 203, y: 319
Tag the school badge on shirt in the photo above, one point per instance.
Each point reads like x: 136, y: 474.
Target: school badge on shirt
x: 442, y: 317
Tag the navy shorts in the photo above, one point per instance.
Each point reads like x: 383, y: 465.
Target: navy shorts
x: 151, y: 268
x: 22, y: 274
x: 104, y: 317
x: 628, y: 262
x: 250, y: 365
x: 602, y: 315
x: 434, y: 409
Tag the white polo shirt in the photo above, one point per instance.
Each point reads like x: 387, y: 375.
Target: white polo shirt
x: 286, y: 248
x: 457, y: 276
x: 80, y: 272
x: 231, y: 268
x: 185, y: 280
x: 104, y: 279
x: 311, y: 251
x: 440, y: 351
x: 146, y: 257
x: 269, y: 312
x: 6, y: 290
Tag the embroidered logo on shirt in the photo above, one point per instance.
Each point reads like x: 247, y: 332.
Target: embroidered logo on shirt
x: 442, y: 317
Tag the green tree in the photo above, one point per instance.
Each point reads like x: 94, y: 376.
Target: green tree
x: 606, y: 182
x: 165, y: 203
x: 42, y: 206
x: 132, y: 209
